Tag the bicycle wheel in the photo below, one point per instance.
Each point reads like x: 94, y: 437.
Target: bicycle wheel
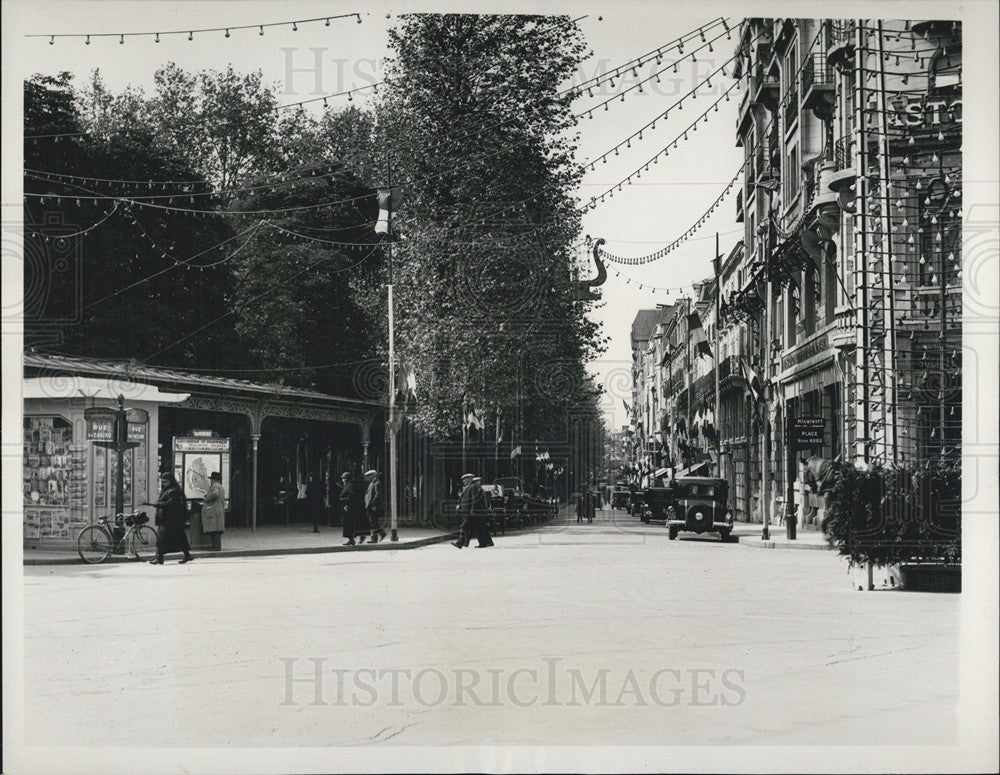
x: 94, y: 544
x: 143, y: 542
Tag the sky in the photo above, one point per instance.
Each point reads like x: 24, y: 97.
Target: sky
x: 318, y: 59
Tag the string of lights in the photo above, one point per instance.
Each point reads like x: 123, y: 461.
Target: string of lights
x: 175, y: 263
x: 294, y: 25
x: 283, y: 282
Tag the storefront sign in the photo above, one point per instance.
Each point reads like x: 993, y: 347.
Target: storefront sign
x: 191, y: 444
x: 807, y: 431
x: 136, y: 431
x: 808, y: 350
x: 925, y: 112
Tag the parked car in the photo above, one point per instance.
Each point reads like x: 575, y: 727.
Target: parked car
x: 521, y: 509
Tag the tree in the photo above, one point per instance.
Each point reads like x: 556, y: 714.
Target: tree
x: 478, y: 136
x: 141, y: 280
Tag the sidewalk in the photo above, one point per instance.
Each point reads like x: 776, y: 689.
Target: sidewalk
x: 749, y: 534
x: 269, y: 540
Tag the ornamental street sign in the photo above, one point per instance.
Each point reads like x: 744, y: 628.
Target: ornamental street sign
x: 807, y: 432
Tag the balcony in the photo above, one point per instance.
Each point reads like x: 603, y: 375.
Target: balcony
x: 840, y: 54
x: 768, y: 88
x: 818, y: 88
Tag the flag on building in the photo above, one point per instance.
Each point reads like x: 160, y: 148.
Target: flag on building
x: 388, y: 200
x: 697, y: 335
x: 753, y: 383
x: 406, y: 381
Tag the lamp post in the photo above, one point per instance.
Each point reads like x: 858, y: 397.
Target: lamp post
x: 770, y: 187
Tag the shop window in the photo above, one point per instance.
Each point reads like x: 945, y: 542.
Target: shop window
x: 54, y: 479
x: 135, y: 487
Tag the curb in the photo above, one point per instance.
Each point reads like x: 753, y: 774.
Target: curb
x: 381, y: 546
x: 759, y: 544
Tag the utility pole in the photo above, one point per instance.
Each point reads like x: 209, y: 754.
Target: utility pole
x: 765, y: 339
x: 393, y: 509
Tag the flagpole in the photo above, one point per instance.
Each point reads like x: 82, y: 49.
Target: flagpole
x: 393, y: 513
x: 716, y: 265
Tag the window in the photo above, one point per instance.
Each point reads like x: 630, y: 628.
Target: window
x: 791, y: 175
x: 944, y: 76
x: 790, y: 84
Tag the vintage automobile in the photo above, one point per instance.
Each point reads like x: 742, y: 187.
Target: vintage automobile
x: 700, y: 505
x: 521, y: 509
x: 620, y: 496
x: 651, y: 503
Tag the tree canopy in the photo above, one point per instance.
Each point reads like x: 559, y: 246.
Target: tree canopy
x: 213, y: 231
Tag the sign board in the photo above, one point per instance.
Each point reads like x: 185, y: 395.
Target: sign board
x: 807, y: 431
x: 202, y: 433
x: 136, y: 431
x: 196, y: 459
x: 101, y: 429
x: 190, y: 444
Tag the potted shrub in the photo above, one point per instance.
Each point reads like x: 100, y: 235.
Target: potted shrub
x: 908, y: 516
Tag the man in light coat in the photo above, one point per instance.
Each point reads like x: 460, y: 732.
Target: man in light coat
x: 213, y: 511
x: 374, y: 506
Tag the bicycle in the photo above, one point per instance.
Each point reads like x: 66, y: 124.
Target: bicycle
x: 96, y: 542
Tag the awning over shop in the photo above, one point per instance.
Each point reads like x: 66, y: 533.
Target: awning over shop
x: 67, y: 386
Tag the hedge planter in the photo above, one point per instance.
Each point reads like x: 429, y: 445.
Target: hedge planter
x: 908, y: 516
x: 931, y: 577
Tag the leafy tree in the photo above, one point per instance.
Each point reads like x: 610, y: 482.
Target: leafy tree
x: 136, y: 285
x: 479, y: 138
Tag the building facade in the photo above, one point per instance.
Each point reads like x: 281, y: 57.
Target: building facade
x: 839, y: 317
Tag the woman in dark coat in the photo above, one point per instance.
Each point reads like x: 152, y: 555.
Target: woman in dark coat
x: 170, y: 518
x: 352, y: 505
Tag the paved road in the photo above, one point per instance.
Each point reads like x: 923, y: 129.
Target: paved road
x: 599, y: 634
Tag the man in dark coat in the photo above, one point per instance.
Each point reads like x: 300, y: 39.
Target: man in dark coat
x: 472, y: 506
x: 170, y: 518
x: 465, y: 500
x: 480, y: 515
x: 352, y: 504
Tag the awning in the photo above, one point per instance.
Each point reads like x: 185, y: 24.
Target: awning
x: 69, y: 386
x: 698, y: 469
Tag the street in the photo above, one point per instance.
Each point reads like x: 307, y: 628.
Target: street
x: 603, y: 633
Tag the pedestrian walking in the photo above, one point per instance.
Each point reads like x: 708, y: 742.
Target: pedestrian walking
x: 480, y: 515
x: 464, y: 509
x: 352, y: 506
x: 213, y: 511
x: 472, y: 506
x: 374, y: 505
x: 170, y: 518
x: 314, y: 500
